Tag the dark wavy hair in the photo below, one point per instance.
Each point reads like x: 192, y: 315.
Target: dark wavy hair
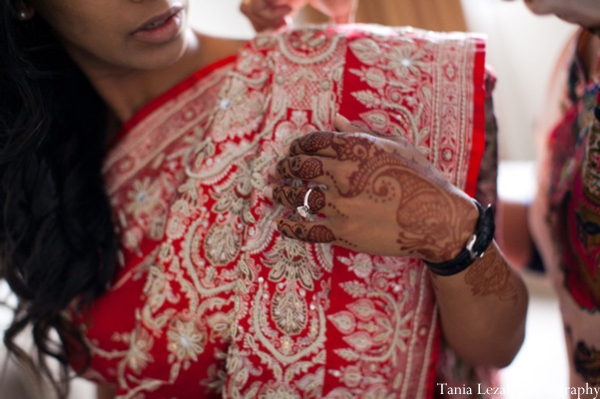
x: 57, y: 242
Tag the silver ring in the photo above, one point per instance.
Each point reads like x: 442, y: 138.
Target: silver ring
x: 304, y: 209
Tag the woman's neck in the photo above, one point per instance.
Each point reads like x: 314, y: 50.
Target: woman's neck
x: 127, y: 90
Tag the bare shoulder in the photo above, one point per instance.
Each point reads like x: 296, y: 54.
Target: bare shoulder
x: 230, y: 46
x: 217, y: 48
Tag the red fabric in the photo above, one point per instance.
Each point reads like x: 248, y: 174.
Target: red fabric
x: 211, y: 302
x: 478, y: 119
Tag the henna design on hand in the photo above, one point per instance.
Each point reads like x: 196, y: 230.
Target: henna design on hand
x: 491, y: 276
x: 299, y: 231
x: 430, y: 224
x: 385, y: 174
x: 300, y: 168
x: 289, y: 196
x: 335, y: 209
x: 311, y: 143
x: 316, y: 200
x: 294, y: 197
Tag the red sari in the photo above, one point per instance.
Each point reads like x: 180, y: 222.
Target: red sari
x: 210, y: 301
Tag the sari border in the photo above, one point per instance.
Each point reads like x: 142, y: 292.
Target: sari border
x: 478, y: 142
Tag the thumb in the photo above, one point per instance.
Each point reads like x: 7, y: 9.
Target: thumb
x: 343, y: 125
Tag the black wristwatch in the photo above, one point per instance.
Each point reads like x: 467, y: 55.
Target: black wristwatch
x: 478, y: 243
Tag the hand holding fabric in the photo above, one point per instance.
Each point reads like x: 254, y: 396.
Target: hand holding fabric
x: 382, y: 197
x: 267, y: 15
x: 338, y: 11
x: 274, y: 14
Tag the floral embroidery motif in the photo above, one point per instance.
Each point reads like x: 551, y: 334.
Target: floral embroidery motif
x: 143, y: 198
x: 185, y: 343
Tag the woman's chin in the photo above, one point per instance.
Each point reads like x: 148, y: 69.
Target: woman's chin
x: 156, y: 59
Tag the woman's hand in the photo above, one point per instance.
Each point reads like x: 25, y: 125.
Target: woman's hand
x: 267, y: 15
x: 382, y: 197
x: 273, y: 14
x: 338, y: 11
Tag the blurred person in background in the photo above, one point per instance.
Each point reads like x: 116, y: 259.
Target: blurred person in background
x: 559, y: 231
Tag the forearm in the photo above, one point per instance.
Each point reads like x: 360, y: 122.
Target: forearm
x: 513, y: 233
x: 483, y: 309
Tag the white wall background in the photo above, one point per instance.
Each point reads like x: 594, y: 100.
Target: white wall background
x: 221, y: 18
x: 522, y: 48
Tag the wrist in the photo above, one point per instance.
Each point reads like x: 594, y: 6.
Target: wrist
x: 469, y: 222
x: 479, y: 240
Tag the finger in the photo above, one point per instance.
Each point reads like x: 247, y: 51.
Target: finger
x: 265, y: 17
x: 274, y: 13
x: 343, y: 125
x: 266, y: 8
x: 344, y: 146
x: 261, y: 24
x: 321, y: 143
x: 315, y: 232
x: 289, y: 20
x: 315, y: 143
x: 339, y: 11
x: 304, y: 167
x: 295, y: 5
x: 294, y: 197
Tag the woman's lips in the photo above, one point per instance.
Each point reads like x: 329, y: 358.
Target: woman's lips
x: 161, y: 28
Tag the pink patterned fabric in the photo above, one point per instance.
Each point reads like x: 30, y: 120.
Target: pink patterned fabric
x: 571, y: 224
x: 210, y: 300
